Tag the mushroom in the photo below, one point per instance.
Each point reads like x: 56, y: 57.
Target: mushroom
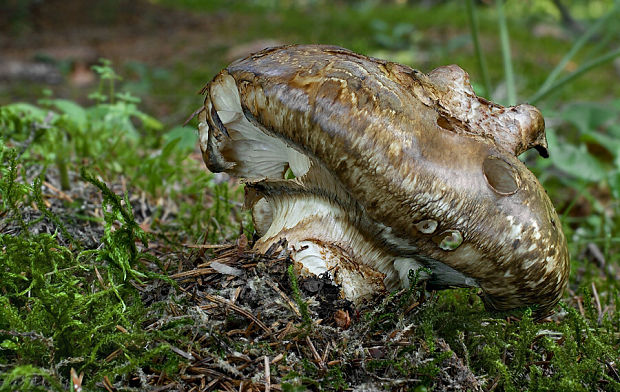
x: 371, y: 169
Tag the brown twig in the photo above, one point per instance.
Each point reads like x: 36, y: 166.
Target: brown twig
x: 107, y: 384
x: 290, y: 303
x: 325, y: 353
x: 182, y: 353
x: 597, y: 301
x: 315, y: 353
x: 76, y: 380
x: 580, y: 305
x: 61, y: 194
x: 193, y: 273
x: 284, y: 331
x: 267, y: 374
x: 277, y: 358
x: 225, y: 302
x: 206, y: 246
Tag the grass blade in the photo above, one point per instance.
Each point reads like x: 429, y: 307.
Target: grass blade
x: 505, y: 42
x: 473, y: 27
x: 574, y: 75
x: 553, y: 75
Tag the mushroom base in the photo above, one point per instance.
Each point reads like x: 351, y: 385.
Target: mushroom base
x: 322, y: 240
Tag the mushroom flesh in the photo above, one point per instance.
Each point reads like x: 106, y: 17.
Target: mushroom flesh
x: 371, y: 169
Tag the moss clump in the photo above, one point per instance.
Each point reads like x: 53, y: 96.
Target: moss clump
x: 574, y: 352
x: 62, y: 308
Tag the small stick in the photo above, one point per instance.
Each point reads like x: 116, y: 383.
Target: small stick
x: 285, y: 330
x: 598, y: 303
x: 222, y: 301
x: 62, y: 194
x: 77, y: 380
x: 207, y: 246
x: 212, y: 383
x: 182, y: 353
x: 236, y: 294
x: 290, y: 303
x: 196, y: 112
x: 107, y: 384
x: 100, y: 278
x: 580, y: 305
x: 316, y: 355
x: 113, y: 354
x: 121, y: 328
x: 267, y: 375
x: 193, y: 273
x: 325, y: 353
x: 277, y: 358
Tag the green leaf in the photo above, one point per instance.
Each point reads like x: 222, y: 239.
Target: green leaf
x: 35, y: 113
x: 574, y: 160
x: 128, y: 97
x: 610, y: 143
x: 614, y: 184
x: 588, y: 116
x: 74, y: 112
x: 149, y: 122
x: 9, y: 345
x: 187, y: 137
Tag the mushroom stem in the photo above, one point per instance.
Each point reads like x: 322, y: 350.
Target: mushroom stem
x: 324, y: 238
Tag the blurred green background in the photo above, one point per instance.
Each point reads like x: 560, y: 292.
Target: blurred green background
x: 164, y: 51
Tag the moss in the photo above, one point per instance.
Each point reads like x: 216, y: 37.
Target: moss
x: 54, y: 313
x: 303, y: 305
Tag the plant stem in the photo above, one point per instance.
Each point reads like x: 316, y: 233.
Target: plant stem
x: 473, y: 27
x: 553, y: 75
x: 65, y: 184
x: 572, y: 76
x: 112, y: 90
x: 505, y: 42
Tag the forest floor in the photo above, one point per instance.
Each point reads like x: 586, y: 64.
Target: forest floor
x: 142, y: 276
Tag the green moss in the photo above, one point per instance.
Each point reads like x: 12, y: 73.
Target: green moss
x: 54, y: 313
x: 303, y: 305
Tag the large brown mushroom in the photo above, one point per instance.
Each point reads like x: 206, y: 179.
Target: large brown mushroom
x: 393, y: 170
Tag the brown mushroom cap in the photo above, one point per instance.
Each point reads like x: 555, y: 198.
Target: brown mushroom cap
x: 426, y: 171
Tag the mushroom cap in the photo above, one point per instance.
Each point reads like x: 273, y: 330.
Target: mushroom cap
x: 431, y: 168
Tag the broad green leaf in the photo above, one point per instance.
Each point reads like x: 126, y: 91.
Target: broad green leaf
x: 610, y: 143
x: 614, y: 183
x: 187, y: 137
x: 614, y: 129
x: 574, y: 160
x: 128, y: 97
x: 74, y: 112
x: 588, y: 116
x: 149, y: 122
x: 169, y: 148
x: 35, y: 113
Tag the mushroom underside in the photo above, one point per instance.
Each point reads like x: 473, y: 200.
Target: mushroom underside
x: 293, y: 196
